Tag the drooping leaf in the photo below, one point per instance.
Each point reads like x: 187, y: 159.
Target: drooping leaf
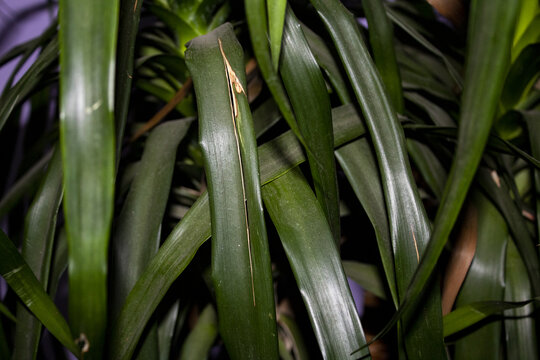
x: 401, y: 21
x: 468, y: 315
x: 28, y: 82
x: 137, y: 233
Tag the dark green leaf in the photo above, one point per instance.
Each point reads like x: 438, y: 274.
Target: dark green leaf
x: 316, y: 265
x: 522, y: 74
x: 22, y: 280
x: 202, y: 336
x: 305, y: 85
x: 240, y: 256
x: 40, y: 224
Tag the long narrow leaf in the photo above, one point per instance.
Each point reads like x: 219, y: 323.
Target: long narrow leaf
x: 194, y: 229
x: 129, y: 15
x: 409, y: 230
x: 315, y: 262
x: 40, y: 223
x: 381, y: 38
x: 87, y: 62
x: 22, y: 280
x: 240, y: 255
x: 136, y: 238
x: 305, y: 85
x: 487, y: 63
x: 484, y: 281
x: 519, y: 325
x: 276, y: 19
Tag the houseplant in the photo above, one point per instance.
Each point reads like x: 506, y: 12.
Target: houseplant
x: 136, y: 214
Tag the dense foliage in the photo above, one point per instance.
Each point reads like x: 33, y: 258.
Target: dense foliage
x: 210, y: 179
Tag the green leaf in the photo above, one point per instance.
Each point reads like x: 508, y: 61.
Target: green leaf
x: 484, y: 281
x: 291, y: 332
x: 487, y: 62
x: 166, y: 330
x: 24, y: 184
x: 137, y: 233
x: 172, y: 258
x: 258, y: 24
x: 305, y: 85
x: 410, y: 230
x: 530, y: 36
x: 360, y: 167
x: 240, y: 256
x: 366, y: 275
x: 37, y: 245
x: 521, y: 76
x: 202, y: 336
x: 128, y: 25
x: 519, y: 325
x: 28, y: 82
x: 328, y: 63
x: 381, y: 38
x: 194, y: 229
x: 468, y: 315
x: 276, y: 19
x: 402, y: 22
x: 314, y: 259
x: 437, y: 114
x: 500, y: 195
x: 532, y: 119
x: 136, y: 236
x: 88, y: 32
x: 22, y: 280
x: 5, y: 311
